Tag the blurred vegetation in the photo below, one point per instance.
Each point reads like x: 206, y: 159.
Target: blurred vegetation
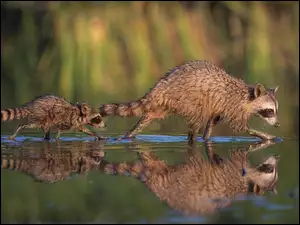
x: 104, y: 52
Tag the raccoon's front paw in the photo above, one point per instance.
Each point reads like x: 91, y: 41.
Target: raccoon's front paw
x: 261, y: 135
x: 266, y: 136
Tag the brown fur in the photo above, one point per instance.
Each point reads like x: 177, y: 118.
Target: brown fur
x: 50, y: 111
x: 199, y: 91
x: 52, y: 166
x: 199, y: 186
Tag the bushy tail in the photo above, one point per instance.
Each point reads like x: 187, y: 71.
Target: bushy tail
x: 124, y: 169
x: 140, y: 169
x: 135, y: 108
x: 9, y: 163
x: 14, y: 113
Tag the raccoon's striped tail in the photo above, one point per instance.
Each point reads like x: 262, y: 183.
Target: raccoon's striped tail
x: 14, y: 113
x: 135, y: 108
x: 10, y: 163
x: 147, y: 162
x: 124, y: 169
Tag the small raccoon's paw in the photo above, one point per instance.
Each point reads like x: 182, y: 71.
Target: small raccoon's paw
x: 125, y: 138
x: 100, y: 138
x: 12, y: 138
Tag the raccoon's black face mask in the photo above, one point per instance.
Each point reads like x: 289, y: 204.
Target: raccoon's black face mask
x: 265, y: 104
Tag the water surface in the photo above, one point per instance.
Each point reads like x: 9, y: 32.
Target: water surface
x: 90, y: 195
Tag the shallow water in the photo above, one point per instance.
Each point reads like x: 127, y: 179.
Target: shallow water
x: 43, y: 186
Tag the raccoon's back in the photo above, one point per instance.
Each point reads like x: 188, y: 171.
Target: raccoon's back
x: 48, y: 102
x: 190, y: 74
x: 193, y: 82
x: 50, y: 106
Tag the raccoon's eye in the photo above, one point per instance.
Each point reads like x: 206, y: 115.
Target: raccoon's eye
x: 266, y: 112
x: 266, y: 168
x: 96, y: 119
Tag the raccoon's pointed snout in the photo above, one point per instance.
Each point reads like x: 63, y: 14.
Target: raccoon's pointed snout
x: 102, y: 124
x: 276, y: 156
x: 277, y: 124
x: 273, y: 121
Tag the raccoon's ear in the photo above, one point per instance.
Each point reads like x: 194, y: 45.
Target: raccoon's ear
x: 275, y: 89
x: 259, y: 90
x: 84, y: 108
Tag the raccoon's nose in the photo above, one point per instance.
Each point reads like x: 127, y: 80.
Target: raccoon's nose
x: 277, y: 124
x: 103, y: 125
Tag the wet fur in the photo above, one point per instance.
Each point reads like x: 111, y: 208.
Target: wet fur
x: 50, y: 111
x: 199, y: 91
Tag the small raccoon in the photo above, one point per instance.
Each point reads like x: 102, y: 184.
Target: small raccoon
x: 204, y: 95
x: 50, y: 111
x: 199, y: 186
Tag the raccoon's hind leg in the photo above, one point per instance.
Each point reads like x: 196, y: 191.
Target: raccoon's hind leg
x: 21, y: 127
x: 143, y: 122
x: 46, y: 131
x: 58, y: 135
x: 209, y: 126
x: 192, y: 134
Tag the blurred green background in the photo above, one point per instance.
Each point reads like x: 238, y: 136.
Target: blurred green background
x: 104, y: 52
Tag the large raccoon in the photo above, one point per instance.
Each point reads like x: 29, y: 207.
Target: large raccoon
x: 205, y: 95
x: 50, y: 111
x: 199, y: 186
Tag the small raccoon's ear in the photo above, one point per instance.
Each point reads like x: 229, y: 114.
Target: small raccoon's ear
x: 84, y: 108
x: 259, y: 90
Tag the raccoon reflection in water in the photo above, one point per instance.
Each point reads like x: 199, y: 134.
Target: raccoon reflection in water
x: 49, y: 165
x: 199, y: 186
x: 195, y: 187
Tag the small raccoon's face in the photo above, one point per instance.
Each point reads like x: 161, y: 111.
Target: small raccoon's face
x: 265, y: 175
x: 96, y: 121
x: 265, y: 104
x: 90, y: 116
